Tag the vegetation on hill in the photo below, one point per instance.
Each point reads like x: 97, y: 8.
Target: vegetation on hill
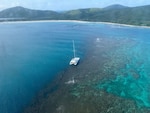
x: 20, y: 13
x: 115, y: 13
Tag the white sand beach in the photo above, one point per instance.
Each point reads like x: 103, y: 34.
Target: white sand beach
x: 76, y: 21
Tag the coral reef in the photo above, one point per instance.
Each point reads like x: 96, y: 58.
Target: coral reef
x: 110, y: 79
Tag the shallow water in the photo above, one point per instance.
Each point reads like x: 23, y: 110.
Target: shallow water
x: 132, y: 80
x: 106, y: 81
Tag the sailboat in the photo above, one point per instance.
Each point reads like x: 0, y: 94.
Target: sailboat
x: 74, y: 60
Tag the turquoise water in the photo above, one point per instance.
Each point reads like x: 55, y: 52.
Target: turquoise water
x: 31, y: 54
x: 132, y: 81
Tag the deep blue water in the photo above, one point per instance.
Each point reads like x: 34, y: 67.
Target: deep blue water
x: 32, y: 53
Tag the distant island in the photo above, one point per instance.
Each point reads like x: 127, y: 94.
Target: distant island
x: 115, y: 14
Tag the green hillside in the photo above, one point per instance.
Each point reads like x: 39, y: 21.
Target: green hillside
x: 124, y: 15
x: 115, y: 13
x: 28, y: 14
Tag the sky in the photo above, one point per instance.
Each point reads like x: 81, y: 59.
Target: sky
x: 62, y: 5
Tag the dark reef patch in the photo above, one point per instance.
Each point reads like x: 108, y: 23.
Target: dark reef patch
x: 100, y: 84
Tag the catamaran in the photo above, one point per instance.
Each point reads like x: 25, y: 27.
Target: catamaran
x: 74, y: 60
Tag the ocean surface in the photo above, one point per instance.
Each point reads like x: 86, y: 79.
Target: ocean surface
x: 32, y: 54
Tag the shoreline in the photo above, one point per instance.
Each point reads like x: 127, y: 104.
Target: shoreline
x: 75, y: 21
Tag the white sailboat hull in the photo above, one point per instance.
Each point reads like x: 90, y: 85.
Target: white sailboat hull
x: 74, y: 61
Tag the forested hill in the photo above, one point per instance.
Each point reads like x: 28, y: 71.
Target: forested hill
x: 21, y: 13
x: 114, y: 13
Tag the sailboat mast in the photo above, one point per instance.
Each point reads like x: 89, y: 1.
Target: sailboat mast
x: 73, y: 48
